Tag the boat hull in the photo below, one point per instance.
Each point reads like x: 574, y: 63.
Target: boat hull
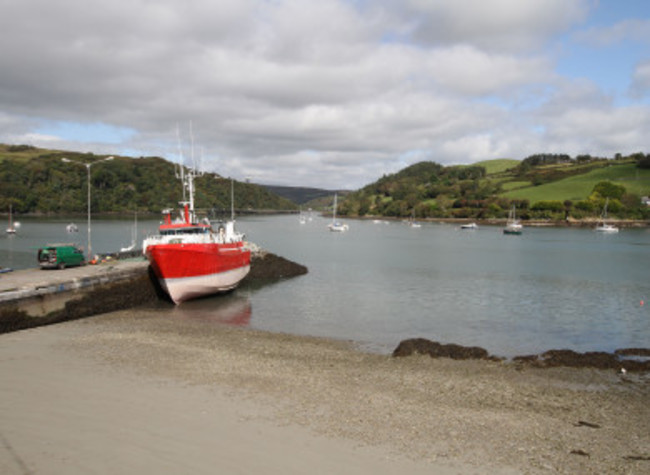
x: 607, y: 229
x: 187, y: 271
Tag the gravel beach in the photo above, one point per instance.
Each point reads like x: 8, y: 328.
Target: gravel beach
x: 135, y: 392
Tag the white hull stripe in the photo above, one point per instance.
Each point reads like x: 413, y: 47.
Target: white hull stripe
x: 186, y: 288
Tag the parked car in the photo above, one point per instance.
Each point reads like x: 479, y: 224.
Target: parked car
x: 60, y: 256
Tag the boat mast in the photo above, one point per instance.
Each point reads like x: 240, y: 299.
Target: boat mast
x: 232, y: 199
x: 181, y: 172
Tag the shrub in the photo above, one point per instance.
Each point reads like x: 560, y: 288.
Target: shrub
x: 607, y: 189
x: 550, y: 205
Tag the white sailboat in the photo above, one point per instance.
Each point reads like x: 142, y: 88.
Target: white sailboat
x: 134, y: 236
x: 603, y: 227
x: 13, y: 226
x: 513, y: 226
x: 336, y: 226
x: 413, y: 223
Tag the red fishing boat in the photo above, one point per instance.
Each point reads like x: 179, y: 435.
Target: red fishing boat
x: 191, y: 258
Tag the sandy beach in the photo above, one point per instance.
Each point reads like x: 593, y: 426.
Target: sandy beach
x: 134, y: 392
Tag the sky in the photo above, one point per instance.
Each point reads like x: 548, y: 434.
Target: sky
x: 326, y: 93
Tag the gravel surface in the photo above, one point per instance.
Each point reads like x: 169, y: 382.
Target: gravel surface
x: 493, y: 416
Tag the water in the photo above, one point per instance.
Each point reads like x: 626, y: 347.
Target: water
x: 380, y: 283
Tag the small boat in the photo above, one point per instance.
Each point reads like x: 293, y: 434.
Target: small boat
x: 13, y: 226
x: 128, y: 248
x: 190, y: 258
x: 513, y: 226
x: 412, y: 222
x: 603, y: 227
x: 134, y: 236
x: 71, y: 228
x: 469, y: 226
x: 336, y: 226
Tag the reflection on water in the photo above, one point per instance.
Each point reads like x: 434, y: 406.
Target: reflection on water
x: 228, y: 309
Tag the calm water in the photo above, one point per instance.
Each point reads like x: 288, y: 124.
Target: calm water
x: 380, y: 283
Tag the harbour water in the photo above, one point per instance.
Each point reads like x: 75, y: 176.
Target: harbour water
x: 378, y: 283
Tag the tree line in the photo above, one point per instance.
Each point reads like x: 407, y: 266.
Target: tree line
x: 46, y: 184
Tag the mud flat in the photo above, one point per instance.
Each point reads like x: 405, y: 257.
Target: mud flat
x: 138, y: 392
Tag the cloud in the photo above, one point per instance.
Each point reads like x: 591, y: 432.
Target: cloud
x: 466, y: 70
x: 502, y: 25
x: 331, y: 93
x: 640, y: 86
x: 637, y: 30
x: 579, y: 118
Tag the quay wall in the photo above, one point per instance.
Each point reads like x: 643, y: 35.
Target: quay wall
x: 35, y: 297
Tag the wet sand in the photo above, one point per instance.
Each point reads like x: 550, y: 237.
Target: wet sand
x: 133, y: 392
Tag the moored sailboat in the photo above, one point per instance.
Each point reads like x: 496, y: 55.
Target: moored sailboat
x: 13, y: 225
x: 602, y: 226
x: 335, y: 225
x: 513, y: 226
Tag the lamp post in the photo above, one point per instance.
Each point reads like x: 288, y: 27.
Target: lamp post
x: 88, y: 165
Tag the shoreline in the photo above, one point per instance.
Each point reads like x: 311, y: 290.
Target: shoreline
x: 579, y: 223
x: 120, y: 390
x: 570, y: 223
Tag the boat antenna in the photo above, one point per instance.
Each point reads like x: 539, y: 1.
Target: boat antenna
x: 232, y: 199
x: 192, y: 146
x: 180, y: 172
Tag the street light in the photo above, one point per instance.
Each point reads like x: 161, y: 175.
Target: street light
x: 88, y: 165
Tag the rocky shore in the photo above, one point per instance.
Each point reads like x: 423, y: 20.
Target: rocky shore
x: 622, y: 360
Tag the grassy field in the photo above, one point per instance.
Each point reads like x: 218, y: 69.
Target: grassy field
x: 512, y: 185
x: 22, y: 155
x: 579, y: 187
x: 498, y: 165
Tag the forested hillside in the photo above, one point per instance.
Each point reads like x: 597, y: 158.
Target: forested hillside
x: 543, y: 186
x: 39, y: 181
x: 298, y: 194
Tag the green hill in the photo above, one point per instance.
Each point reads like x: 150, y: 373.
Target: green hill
x: 301, y: 195
x: 38, y: 181
x: 498, y: 165
x: 579, y: 187
x: 542, y: 186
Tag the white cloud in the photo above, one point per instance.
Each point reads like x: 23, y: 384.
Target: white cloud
x: 330, y: 93
x: 640, y: 86
x: 466, y: 70
x: 633, y: 29
x: 601, y: 131
x: 510, y: 25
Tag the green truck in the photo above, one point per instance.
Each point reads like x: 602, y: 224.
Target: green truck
x: 60, y: 256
